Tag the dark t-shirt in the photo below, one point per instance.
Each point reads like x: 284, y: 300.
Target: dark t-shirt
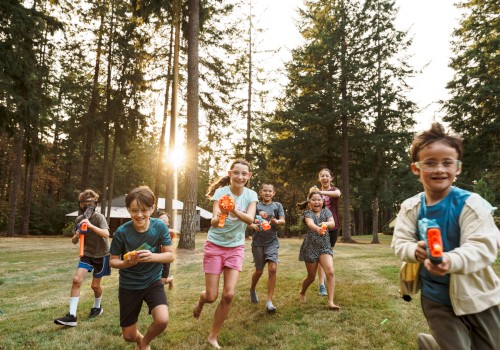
x: 333, y: 204
x: 273, y: 210
x: 127, y: 239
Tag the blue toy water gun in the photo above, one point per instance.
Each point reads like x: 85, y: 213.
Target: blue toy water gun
x: 430, y: 232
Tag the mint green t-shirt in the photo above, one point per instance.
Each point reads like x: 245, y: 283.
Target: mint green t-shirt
x: 233, y: 232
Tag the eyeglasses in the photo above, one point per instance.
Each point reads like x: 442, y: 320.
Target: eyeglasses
x: 135, y: 212
x: 430, y: 166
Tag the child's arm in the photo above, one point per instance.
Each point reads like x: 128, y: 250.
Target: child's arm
x: 99, y: 231
x: 280, y: 221
x: 330, y: 223
x: 166, y: 256
x: 117, y: 263
x: 405, y: 241
x: 333, y: 194
x: 214, y: 222
x: 247, y: 217
x: 312, y: 226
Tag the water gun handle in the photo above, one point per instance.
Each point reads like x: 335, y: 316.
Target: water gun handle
x: 323, y: 228
x: 434, y: 245
x: 222, y: 219
x: 83, y: 231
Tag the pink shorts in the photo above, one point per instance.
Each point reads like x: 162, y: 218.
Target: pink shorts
x: 215, y: 258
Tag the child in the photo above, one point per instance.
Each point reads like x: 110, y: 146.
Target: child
x: 265, y: 244
x: 224, y: 247
x: 165, y: 278
x: 140, y: 272
x: 96, y: 256
x: 316, y: 248
x: 460, y: 295
x: 331, y: 195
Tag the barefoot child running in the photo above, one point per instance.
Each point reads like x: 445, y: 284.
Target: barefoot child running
x: 316, y: 248
x: 95, y: 256
x: 460, y: 291
x: 331, y: 195
x: 265, y: 243
x: 224, y: 247
x: 145, y: 245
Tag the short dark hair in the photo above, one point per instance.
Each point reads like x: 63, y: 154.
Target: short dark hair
x: 143, y: 195
x: 434, y: 134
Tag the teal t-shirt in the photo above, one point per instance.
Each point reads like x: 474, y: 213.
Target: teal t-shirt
x: 126, y: 239
x: 446, y: 213
x: 233, y: 232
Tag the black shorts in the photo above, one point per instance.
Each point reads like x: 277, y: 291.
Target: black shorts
x: 131, y: 301
x: 100, y: 266
x: 333, y: 237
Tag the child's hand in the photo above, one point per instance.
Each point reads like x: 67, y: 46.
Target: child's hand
x: 441, y: 269
x: 273, y: 221
x: 314, y: 188
x: 421, y: 252
x: 144, y: 256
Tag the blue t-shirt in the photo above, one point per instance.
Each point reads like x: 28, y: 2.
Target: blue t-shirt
x: 126, y: 239
x: 233, y: 232
x: 446, y: 213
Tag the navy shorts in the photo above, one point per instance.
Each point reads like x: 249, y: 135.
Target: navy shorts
x: 100, y: 266
x: 131, y: 301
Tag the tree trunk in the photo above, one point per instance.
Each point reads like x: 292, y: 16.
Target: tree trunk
x: 249, y: 102
x: 187, y: 239
x: 90, y: 118
x: 161, y: 153
x: 112, y: 178
x: 15, y: 182
x: 107, y: 116
x: 346, y: 224
x: 170, y: 178
x: 29, y: 187
x: 375, y: 216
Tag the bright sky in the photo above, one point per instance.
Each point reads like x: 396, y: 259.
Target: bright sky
x: 430, y: 23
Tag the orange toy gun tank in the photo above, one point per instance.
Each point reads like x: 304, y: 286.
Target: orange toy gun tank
x: 83, y: 230
x: 435, y: 245
x: 131, y: 254
x: 226, y: 204
x: 323, y: 228
x: 263, y: 214
x: 259, y: 220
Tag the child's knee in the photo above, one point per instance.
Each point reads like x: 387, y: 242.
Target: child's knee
x: 77, y: 281
x: 129, y: 335
x: 228, y: 297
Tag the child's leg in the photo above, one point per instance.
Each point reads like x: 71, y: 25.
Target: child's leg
x: 327, y: 262
x: 230, y: 281
x: 77, y: 281
x: 96, y: 287
x: 271, y: 282
x: 321, y: 275
x: 159, y: 324
x: 132, y: 335
x: 259, y: 261
x: 306, y: 282
x: 209, y: 295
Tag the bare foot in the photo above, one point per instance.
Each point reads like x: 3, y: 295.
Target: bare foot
x: 138, y: 341
x: 302, y: 297
x: 333, y: 307
x: 213, y: 343
x: 197, y: 310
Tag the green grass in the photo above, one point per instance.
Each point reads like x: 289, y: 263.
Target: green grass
x: 35, y: 281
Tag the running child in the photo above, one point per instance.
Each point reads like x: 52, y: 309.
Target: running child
x: 224, y: 247
x: 95, y: 256
x: 331, y: 195
x: 265, y: 243
x: 145, y: 245
x: 459, y: 295
x: 316, y: 248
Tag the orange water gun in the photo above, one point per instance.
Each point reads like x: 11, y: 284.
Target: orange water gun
x: 226, y: 204
x: 83, y: 230
x: 131, y: 254
x: 435, y: 245
x: 323, y: 228
x: 259, y: 220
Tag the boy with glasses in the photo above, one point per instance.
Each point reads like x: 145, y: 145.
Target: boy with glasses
x: 145, y: 245
x: 460, y: 292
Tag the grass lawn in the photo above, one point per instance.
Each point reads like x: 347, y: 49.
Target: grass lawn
x: 36, y: 274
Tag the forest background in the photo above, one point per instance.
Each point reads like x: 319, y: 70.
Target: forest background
x: 82, y: 84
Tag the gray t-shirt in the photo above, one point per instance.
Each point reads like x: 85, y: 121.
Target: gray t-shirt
x: 95, y: 246
x: 264, y: 238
